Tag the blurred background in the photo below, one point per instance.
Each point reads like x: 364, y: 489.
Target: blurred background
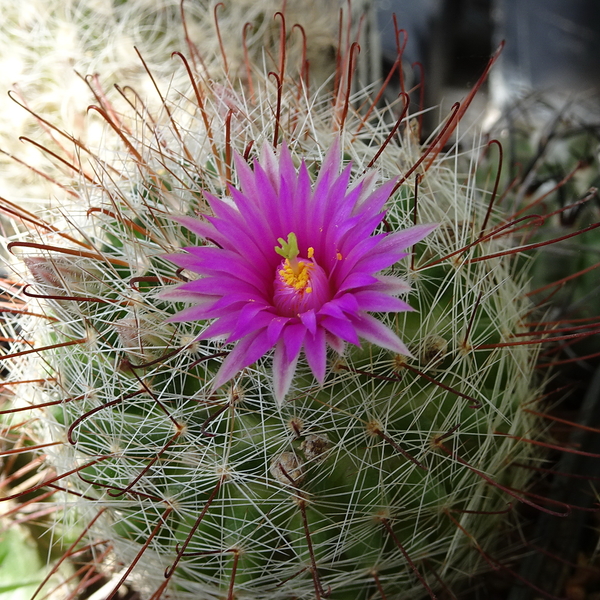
x: 551, y: 46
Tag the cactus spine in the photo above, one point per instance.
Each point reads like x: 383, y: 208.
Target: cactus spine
x: 395, y: 478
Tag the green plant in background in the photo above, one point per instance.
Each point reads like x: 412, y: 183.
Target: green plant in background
x: 355, y: 472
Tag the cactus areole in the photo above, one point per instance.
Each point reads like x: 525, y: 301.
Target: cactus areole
x: 294, y: 266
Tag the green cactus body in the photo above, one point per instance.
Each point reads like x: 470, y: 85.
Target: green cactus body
x: 393, y: 479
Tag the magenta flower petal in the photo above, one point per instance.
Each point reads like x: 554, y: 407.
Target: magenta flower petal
x: 377, y: 333
x: 294, y: 265
x: 389, y: 284
x: 341, y: 328
x: 275, y: 328
x: 378, y: 302
x: 309, y: 320
x: 316, y: 355
x: 335, y: 342
x: 407, y: 237
x: 284, y: 367
x: 293, y: 337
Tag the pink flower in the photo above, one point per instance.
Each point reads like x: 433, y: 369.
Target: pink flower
x: 294, y: 266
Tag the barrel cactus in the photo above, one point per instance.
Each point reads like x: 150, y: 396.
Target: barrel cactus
x: 245, y: 386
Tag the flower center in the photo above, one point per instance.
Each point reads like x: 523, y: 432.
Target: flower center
x: 300, y: 283
x: 298, y: 277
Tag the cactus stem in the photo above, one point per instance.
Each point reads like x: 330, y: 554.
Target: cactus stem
x: 180, y: 549
x: 210, y: 419
x: 121, y: 492
x: 161, y: 521
x: 69, y: 552
x: 502, y: 229
x: 378, y: 584
x: 93, y: 411
x: 475, y: 404
x: 49, y: 127
x: 147, y: 279
x: 554, y: 188
x: 485, y: 477
x: 388, y: 139
x: 354, y: 50
x: 577, y: 336
x: 504, y: 511
x: 63, y: 298
x: 43, y: 348
x: 46, y: 482
x: 69, y: 251
x: 8, y: 481
x: 465, y: 346
x: 109, y: 487
x: 319, y: 591
x: 558, y: 447
x: 178, y: 426
x: 496, y: 565
x: 41, y: 174
x: 282, y: 43
x: 555, y: 472
x: 568, y: 360
x: 448, y: 591
x: 236, y: 557
x: 278, y: 107
x: 555, y: 329
x: 54, y: 155
x: 385, y: 522
x: 527, y: 247
x: 368, y: 373
x: 496, y: 183
x: 247, y: 62
x: 27, y: 449
x: 569, y: 507
x: 563, y: 280
x: 373, y: 428
x: 122, y: 219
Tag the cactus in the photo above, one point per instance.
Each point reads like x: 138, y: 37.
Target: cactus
x: 386, y: 475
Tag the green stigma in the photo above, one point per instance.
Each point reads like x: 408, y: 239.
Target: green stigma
x: 288, y: 249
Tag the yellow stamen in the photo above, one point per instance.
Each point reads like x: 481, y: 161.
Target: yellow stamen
x: 339, y: 256
x: 298, y: 278
x: 311, y: 252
